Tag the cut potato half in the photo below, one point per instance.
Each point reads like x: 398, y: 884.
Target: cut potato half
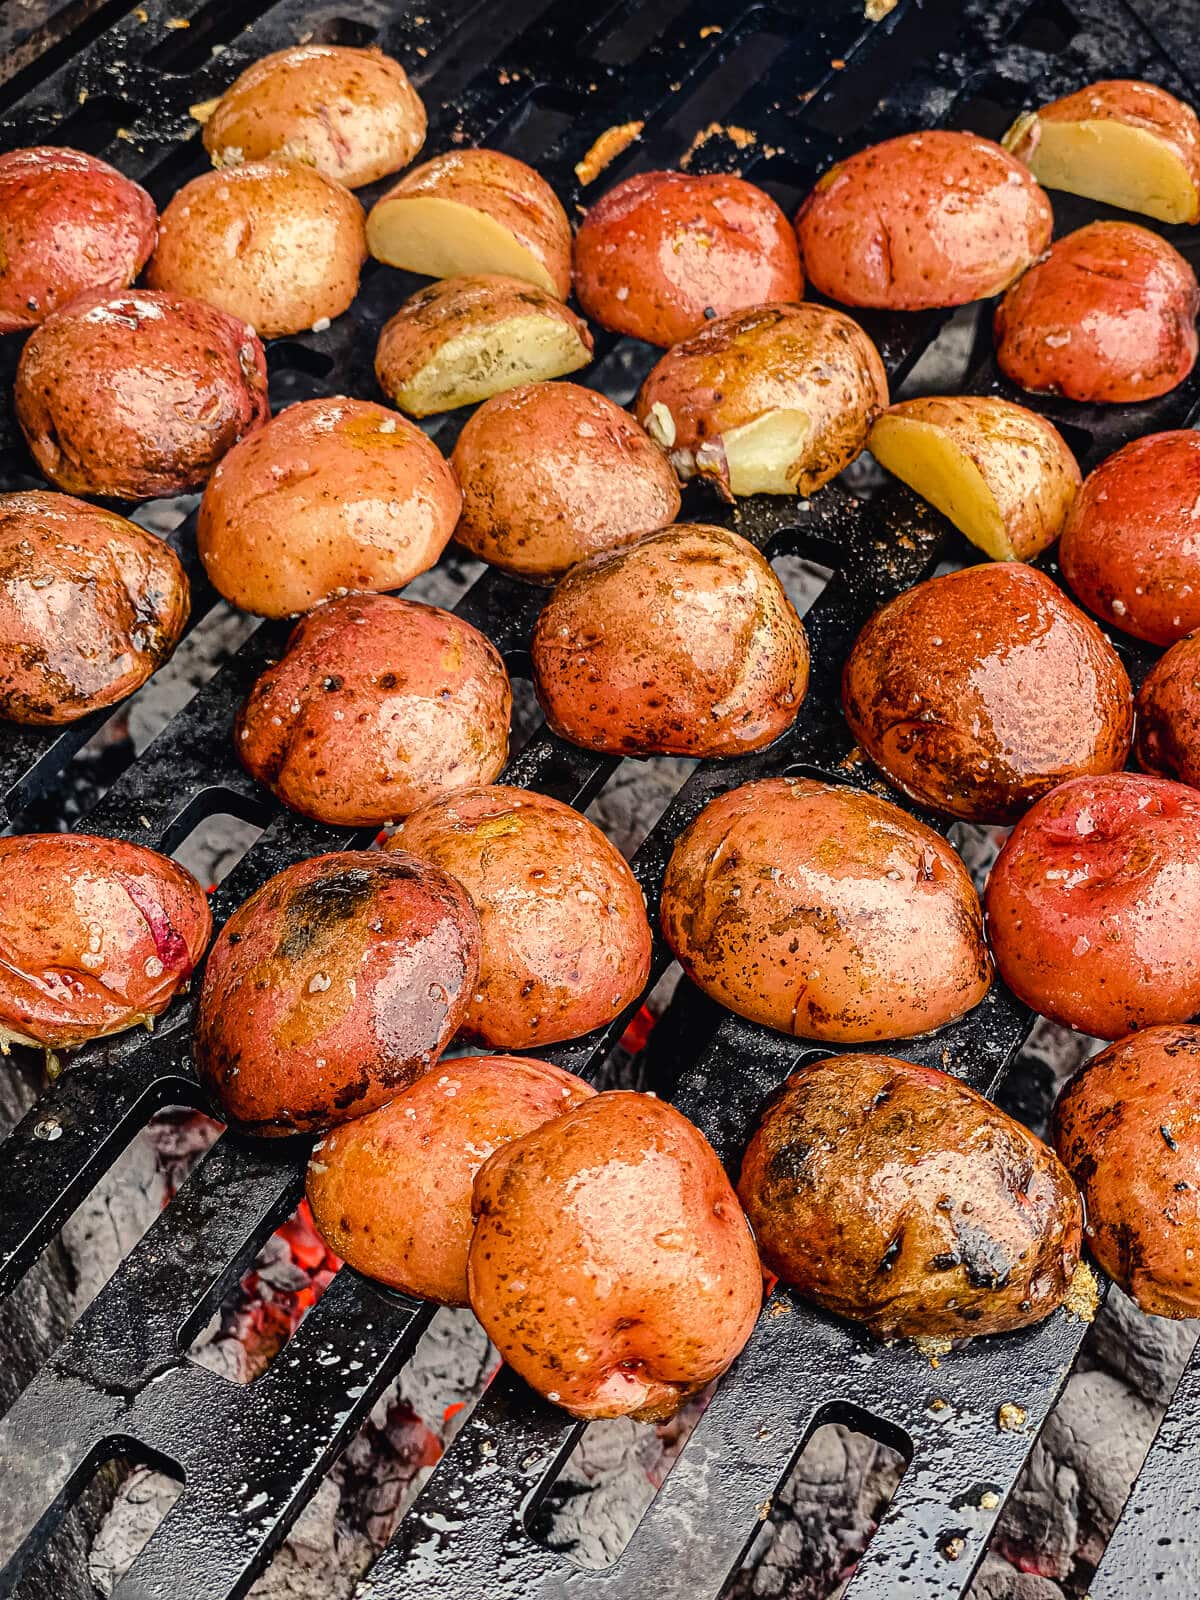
x: 766, y: 456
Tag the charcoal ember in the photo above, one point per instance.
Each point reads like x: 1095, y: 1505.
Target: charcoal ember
x: 140, y: 1505
x: 1149, y: 1353
x: 321, y: 1558
x: 113, y: 1217
x: 999, y: 1580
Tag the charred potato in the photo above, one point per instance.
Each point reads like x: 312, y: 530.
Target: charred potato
x: 1109, y: 314
x: 333, y: 495
x: 90, y: 606
x: 1003, y: 475
x: 565, y: 941
x: 336, y: 985
x: 1168, y: 714
x: 611, y: 1264
x: 553, y: 473
x: 391, y: 1192
x: 96, y: 936
x: 824, y: 912
x: 682, y: 643
x: 138, y: 394
x: 935, y: 218
x: 465, y: 339
x: 1093, y: 905
x: 771, y: 401
x: 978, y: 692
x: 896, y: 1196
x: 351, y: 114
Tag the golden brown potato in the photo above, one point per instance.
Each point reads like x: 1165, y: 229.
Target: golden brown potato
x: 894, y: 1195
x: 378, y: 706
x: 771, y: 401
x: 935, y: 218
x: 68, y: 223
x: 474, y: 211
x: 1108, y: 314
x: 351, y: 114
x: 98, y: 936
x: 611, y: 1264
x: 464, y: 339
x: 682, y: 643
x: 391, y: 1192
x: 1127, y: 1127
x: 274, y: 243
x: 553, y: 473
x: 1127, y: 143
x: 334, y: 495
x: 824, y: 912
x: 978, y: 692
x: 1168, y: 714
x: 1003, y: 475
x: 565, y: 941
x: 138, y: 394
x: 336, y: 985
x: 90, y: 606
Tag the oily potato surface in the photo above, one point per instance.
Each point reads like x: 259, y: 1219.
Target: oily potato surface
x: 824, y: 912
x: 611, y: 1263
x: 1168, y: 714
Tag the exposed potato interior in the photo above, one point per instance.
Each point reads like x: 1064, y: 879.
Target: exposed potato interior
x: 481, y: 362
x: 1121, y: 165
x: 444, y: 238
x: 762, y: 455
x: 927, y: 459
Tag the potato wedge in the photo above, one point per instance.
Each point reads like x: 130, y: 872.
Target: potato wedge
x: 465, y: 339
x: 473, y: 211
x: 1127, y: 143
x: 1002, y: 475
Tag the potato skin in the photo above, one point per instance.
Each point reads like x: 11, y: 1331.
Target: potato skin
x: 1129, y: 550
x: 936, y: 218
x: 1127, y: 1127
x: 978, y: 692
x: 553, y: 473
x: 378, y: 706
x: 333, y: 987
x: 682, y: 643
x: 276, y: 244
x: 1093, y: 905
x: 138, y: 394
x: 352, y: 114
x: 1168, y: 715
x: 661, y: 251
x: 334, y: 494
x: 565, y: 941
x: 824, y: 912
x: 96, y: 936
x: 638, y: 1290
x: 1107, y: 315
x: 90, y: 606
x: 391, y: 1192
x: 896, y: 1196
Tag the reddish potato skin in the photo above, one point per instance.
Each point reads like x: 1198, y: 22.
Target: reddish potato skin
x: 90, y: 606
x: 336, y: 985
x: 682, y: 643
x: 1168, y: 715
x: 1109, y: 314
x: 391, y: 1192
x: 68, y: 223
x: 611, y: 1264
x: 138, y: 394
x: 935, y: 218
x: 565, y: 941
x: 978, y: 692
x: 824, y: 912
x: 896, y: 1196
x: 1127, y: 1127
x: 1093, y: 905
x: 1131, y: 546
x: 96, y: 935
x: 662, y: 252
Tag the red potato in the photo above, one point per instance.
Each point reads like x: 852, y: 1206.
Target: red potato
x: 1093, y: 905
x: 391, y: 1192
x: 336, y: 985
x: 68, y: 223
x: 96, y: 936
x: 1168, y: 714
x: 1109, y: 314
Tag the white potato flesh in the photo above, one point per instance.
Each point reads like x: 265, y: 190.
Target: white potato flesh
x: 482, y: 362
x: 442, y: 238
x: 765, y: 456
x: 930, y: 463
x: 1111, y: 161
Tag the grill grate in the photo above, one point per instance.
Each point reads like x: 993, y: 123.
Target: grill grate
x: 542, y: 81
